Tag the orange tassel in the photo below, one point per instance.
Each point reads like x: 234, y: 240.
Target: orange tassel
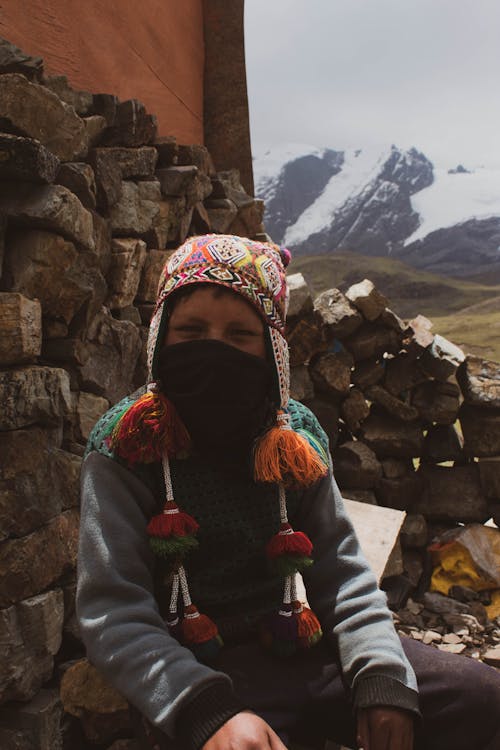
x: 282, y: 455
x: 150, y: 428
x: 197, y: 628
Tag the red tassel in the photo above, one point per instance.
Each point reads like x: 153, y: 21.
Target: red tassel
x: 284, y: 456
x: 150, y: 428
x: 172, y: 522
x: 308, y: 626
x: 287, y: 541
x: 197, y: 628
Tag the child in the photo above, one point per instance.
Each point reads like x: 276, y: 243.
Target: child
x: 215, y: 473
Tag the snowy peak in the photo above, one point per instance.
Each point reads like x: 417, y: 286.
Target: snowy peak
x: 377, y: 201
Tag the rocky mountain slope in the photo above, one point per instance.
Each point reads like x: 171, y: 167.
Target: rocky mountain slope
x: 382, y: 202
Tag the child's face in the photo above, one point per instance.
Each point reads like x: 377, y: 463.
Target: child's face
x: 226, y: 317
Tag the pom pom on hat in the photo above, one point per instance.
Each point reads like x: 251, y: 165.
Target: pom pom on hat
x: 284, y: 456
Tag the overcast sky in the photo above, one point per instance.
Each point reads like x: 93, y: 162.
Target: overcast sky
x: 343, y: 73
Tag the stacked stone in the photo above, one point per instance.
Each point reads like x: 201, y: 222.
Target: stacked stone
x: 91, y: 204
x: 413, y: 423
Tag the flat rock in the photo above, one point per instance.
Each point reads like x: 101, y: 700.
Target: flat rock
x: 79, y: 178
x: 441, y: 359
x: 168, y: 150
x: 414, y: 531
x: 354, y: 409
x: 153, y: 265
x: 36, y: 112
x: 331, y: 373
x: 26, y: 160
x: 177, y: 180
x: 305, y: 340
x: 394, y: 468
x: 368, y: 373
x: 248, y: 222
x: 138, y: 211
x: 112, y: 165
x: 402, y: 373
x: 222, y: 215
x: 479, y: 380
x: 33, y: 395
x: 131, y: 125
x: 89, y: 410
x: 14, y: 60
x: 481, y: 430
x: 335, y: 315
x: 419, y: 335
x: 83, y: 688
x: 452, y: 493
x: 35, y: 480
x: 20, y: 329
x: 370, y: 302
x: 443, y: 443
x: 51, y: 207
x: 443, y: 605
x: 300, y: 300
x: 452, y: 648
x: 33, y: 725
x: 45, y: 266
x: 391, y: 404
x: 113, y: 347
x: 301, y: 385
x: 31, y: 634
x: 402, y: 492
x: 127, y: 261
x: 389, y: 437
x: 489, y: 475
x: 437, y: 402
x: 492, y: 656
x: 372, y: 340
x: 55, y: 544
x: 356, y: 466
x: 200, y: 157
x: 81, y: 101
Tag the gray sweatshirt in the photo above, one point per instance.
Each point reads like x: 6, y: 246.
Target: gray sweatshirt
x: 128, y: 642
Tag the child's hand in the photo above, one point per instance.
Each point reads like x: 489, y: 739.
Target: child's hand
x: 244, y: 731
x: 385, y: 728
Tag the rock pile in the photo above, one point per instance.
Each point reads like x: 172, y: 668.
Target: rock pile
x: 91, y: 203
x: 414, y: 424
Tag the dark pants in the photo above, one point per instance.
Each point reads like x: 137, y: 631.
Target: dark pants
x: 303, y: 697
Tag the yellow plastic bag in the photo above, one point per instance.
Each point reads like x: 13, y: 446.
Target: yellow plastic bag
x: 469, y: 556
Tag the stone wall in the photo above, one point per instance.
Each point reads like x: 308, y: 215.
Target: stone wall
x: 91, y: 204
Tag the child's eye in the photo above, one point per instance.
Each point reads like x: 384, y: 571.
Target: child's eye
x: 244, y: 332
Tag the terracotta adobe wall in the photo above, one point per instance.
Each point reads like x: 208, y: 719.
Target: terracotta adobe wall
x: 112, y: 46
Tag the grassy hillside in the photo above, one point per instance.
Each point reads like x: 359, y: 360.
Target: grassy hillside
x: 466, y: 312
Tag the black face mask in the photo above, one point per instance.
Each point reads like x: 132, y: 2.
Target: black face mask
x: 222, y: 394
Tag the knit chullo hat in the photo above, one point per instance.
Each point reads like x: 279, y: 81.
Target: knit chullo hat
x: 150, y: 430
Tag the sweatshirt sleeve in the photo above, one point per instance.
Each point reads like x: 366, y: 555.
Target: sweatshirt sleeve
x: 343, y: 592
x: 125, y: 636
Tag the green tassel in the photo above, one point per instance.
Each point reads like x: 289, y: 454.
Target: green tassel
x: 174, y: 546
x: 287, y: 565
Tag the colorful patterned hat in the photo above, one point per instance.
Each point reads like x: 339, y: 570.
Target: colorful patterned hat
x: 150, y: 430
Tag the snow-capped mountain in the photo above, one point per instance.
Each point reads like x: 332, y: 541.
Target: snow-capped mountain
x: 381, y: 202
